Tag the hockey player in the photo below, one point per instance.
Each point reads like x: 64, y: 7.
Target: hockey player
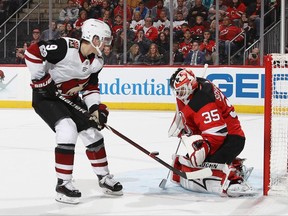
x: 212, y: 134
x: 71, y: 68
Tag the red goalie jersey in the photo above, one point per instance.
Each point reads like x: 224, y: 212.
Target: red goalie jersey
x: 209, y: 114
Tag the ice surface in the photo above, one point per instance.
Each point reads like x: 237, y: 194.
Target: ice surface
x: 28, y: 178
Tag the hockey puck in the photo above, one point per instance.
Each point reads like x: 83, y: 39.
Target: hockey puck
x: 155, y: 153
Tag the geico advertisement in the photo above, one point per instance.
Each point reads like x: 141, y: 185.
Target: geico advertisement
x: 243, y: 86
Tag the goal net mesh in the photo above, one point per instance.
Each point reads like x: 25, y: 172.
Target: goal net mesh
x: 279, y: 125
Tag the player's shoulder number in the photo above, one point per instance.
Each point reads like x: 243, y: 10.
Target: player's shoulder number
x: 44, y: 48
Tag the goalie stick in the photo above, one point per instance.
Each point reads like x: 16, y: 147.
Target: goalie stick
x: 201, y: 173
x: 164, y: 181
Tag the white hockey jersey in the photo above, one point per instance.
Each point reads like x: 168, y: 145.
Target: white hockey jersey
x: 70, y: 70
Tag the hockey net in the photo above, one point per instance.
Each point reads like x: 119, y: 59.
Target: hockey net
x: 276, y: 125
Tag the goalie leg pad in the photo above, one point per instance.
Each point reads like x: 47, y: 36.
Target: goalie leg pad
x: 176, y: 164
x: 224, y: 180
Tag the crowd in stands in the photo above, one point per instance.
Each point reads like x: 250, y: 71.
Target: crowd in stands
x: 148, y: 28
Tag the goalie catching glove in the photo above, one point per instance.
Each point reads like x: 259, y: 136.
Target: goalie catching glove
x: 198, y: 148
x: 45, y: 87
x: 99, y: 113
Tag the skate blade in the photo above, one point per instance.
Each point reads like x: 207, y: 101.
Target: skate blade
x: 65, y: 199
x: 113, y: 193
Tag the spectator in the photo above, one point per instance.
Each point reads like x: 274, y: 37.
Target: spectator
x: 207, y: 3
x: 87, y: 7
x: 163, y: 43
x: 108, y: 56
x: 180, y: 8
x: 235, y: 10
x: 133, y: 4
x: 69, y: 29
x: 198, y: 10
x: 156, y: 10
x: 137, y: 22
x: 82, y: 17
x: 253, y: 13
x: 162, y: 22
x: 61, y: 27
x: 118, y: 47
x: 69, y: 13
x: 55, y: 34
x: 177, y: 55
x: 208, y: 46
x: 153, y: 57
x: 212, y: 29
x: 76, y: 33
x: 179, y: 35
x: 144, y: 11
x: 106, y: 6
x: 79, y: 3
x: 212, y: 10
x: 35, y: 36
x: 117, y: 25
x: 143, y: 42
x: 20, y: 53
x: 119, y: 10
x: 134, y: 56
x: 95, y: 9
x: 186, y: 45
x: 150, y: 31
x: 195, y: 56
x: 253, y: 57
x: 107, y: 18
x: 198, y: 29
x: 228, y: 32
x: 249, y: 27
x: 179, y: 20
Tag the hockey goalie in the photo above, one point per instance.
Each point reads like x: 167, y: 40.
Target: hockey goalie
x: 209, y: 128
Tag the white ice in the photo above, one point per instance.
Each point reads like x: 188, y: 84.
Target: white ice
x: 28, y: 177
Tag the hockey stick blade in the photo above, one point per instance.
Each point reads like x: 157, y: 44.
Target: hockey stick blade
x: 163, y: 183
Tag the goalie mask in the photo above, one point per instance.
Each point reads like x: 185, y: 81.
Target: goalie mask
x: 183, y: 83
x: 92, y: 28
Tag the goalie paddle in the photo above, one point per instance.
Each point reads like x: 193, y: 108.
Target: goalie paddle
x: 164, y: 181
x: 202, y: 173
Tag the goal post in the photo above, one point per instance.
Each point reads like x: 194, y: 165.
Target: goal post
x: 276, y: 125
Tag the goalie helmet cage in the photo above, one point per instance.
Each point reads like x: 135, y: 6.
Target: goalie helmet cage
x: 276, y: 125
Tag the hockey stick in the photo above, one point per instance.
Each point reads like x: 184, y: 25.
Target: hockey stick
x: 201, y: 173
x: 205, y: 70
x: 164, y: 181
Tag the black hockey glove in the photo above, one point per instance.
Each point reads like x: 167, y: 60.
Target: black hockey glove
x: 45, y: 87
x: 99, y: 114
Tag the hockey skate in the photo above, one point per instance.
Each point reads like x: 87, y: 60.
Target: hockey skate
x: 240, y: 189
x: 66, y: 192
x: 110, y: 186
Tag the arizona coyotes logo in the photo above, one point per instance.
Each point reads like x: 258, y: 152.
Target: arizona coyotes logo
x: 73, y: 44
